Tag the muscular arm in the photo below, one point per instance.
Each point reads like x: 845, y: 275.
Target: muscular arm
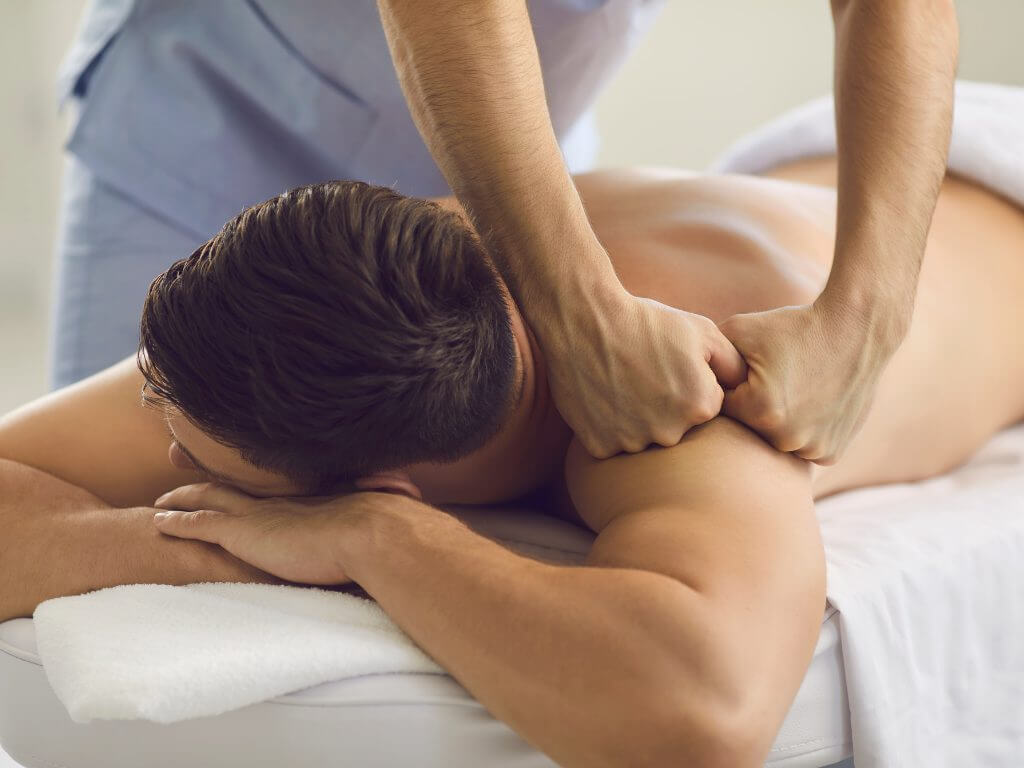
x: 895, y: 64
x: 813, y: 370
x: 683, y: 639
x: 472, y: 77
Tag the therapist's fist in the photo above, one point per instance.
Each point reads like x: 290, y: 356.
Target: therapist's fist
x: 812, y: 376
x: 637, y: 372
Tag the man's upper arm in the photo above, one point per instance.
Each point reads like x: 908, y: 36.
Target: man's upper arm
x: 719, y: 506
x: 732, y: 518
x: 96, y: 435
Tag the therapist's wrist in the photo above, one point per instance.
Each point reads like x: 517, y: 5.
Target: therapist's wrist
x: 580, y: 298
x: 867, y: 315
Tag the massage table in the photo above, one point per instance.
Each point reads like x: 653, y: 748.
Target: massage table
x: 422, y: 720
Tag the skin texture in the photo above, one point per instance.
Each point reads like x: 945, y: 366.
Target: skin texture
x: 626, y: 372
x: 685, y: 570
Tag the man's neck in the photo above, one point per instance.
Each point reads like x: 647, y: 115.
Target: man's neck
x: 520, y: 456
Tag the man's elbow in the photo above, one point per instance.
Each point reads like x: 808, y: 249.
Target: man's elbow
x: 715, y: 737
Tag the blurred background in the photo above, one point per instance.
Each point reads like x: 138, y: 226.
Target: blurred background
x: 707, y: 73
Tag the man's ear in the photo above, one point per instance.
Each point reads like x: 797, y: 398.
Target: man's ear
x: 392, y: 481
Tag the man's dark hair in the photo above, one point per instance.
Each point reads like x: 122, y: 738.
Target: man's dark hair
x: 334, y: 331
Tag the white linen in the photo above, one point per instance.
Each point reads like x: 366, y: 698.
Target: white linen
x: 164, y: 653
x: 987, y: 144
x: 929, y: 583
x: 929, y: 586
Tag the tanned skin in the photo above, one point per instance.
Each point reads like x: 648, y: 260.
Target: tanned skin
x: 701, y: 547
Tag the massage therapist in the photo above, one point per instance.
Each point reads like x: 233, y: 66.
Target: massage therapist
x: 187, y: 111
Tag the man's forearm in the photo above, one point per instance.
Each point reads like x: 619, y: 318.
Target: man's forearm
x: 472, y: 77
x: 895, y: 65
x: 59, y: 540
x: 595, y: 666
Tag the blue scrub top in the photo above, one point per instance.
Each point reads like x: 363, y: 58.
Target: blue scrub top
x: 198, y: 108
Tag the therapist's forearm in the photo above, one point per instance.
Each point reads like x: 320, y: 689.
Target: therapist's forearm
x: 472, y: 77
x: 895, y: 66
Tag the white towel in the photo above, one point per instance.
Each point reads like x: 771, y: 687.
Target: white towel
x: 163, y: 653
x: 987, y: 144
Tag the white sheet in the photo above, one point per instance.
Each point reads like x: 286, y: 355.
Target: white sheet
x: 928, y: 581
x: 928, y: 586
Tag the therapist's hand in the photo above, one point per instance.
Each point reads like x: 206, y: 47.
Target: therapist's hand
x: 628, y: 372
x: 812, y: 376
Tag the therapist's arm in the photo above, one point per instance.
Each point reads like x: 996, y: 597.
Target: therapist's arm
x: 625, y: 371
x: 813, y: 371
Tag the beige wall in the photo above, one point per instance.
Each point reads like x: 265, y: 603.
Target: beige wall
x: 708, y: 72
x: 33, y: 35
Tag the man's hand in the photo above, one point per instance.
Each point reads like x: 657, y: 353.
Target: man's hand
x: 637, y: 372
x: 812, y: 375
x: 296, y: 539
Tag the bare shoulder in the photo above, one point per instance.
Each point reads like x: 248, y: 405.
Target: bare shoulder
x: 96, y: 435
x: 722, y: 457
x: 716, y: 511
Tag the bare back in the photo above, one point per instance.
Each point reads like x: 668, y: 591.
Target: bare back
x: 729, y: 244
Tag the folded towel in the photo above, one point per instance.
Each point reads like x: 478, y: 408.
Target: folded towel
x: 987, y: 145
x: 163, y: 653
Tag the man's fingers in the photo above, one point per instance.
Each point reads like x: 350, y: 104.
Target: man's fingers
x: 725, y: 360
x: 201, y: 524
x: 200, y: 496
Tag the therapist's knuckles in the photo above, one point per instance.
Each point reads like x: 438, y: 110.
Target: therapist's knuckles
x: 708, y: 406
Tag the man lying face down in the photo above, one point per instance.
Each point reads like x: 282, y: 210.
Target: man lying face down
x: 339, y: 332
x: 341, y: 340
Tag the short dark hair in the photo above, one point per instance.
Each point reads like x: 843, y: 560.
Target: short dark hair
x: 333, y: 331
